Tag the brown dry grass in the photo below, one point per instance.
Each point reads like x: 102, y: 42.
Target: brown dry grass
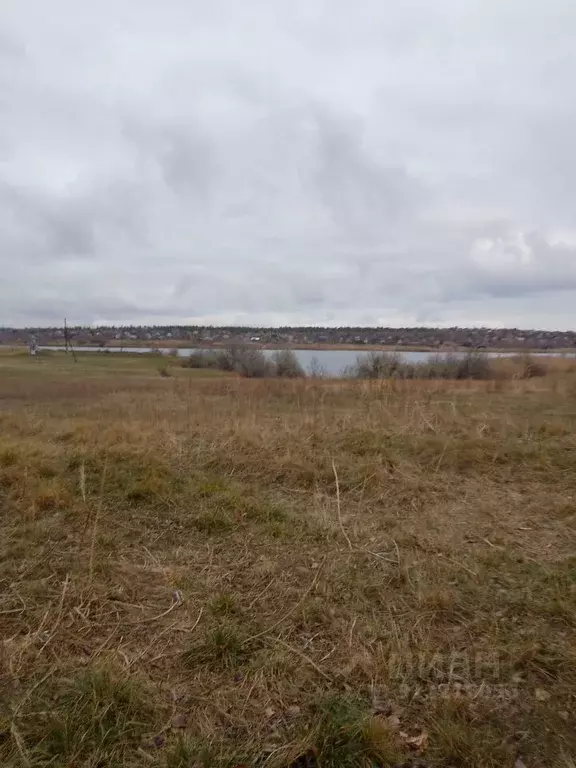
x: 224, y: 572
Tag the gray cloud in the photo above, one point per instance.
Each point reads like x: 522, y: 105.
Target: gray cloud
x: 317, y: 162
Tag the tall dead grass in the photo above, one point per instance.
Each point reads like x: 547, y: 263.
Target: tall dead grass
x: 237, y: 572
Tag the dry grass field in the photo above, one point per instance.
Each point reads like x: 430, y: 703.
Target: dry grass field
x: 201, y: 570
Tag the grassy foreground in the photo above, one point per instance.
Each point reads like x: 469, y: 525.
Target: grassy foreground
x: 200, y: 570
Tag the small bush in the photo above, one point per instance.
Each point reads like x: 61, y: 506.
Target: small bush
x: 201, y: 359
x: 287, y: 365
x: 379, y: 365
x: 246, y: 361
x: 316, y: 370
x: 474, y: 365
x: 532, y: 368
x: 253, y: 363
x: 386, y: 365
x: 227, y: 359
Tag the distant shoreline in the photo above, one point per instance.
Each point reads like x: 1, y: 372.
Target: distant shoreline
x: 312, y: 347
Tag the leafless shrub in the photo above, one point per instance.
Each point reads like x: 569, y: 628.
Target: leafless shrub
x: 316, y: 370
x: 246, y: 361
x: 201, y: 359
x: 386, y: 365
x: 532, y: 368
x: 287, y: 365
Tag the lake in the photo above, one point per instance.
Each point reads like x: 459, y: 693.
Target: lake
x: 332, y: 362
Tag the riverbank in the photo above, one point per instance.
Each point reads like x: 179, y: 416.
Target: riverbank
x: 187, y: 344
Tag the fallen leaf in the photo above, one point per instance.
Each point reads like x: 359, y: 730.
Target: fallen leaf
x: 180, y: 721
x: 381, y: 706
x: 519, y: 764
x: 541, y: 694
x: 394, y: 722
x: 419, y: 743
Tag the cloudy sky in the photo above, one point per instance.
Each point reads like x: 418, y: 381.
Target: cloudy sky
x: 288, y: 162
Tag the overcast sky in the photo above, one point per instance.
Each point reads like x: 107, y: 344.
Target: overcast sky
x: 288, y: 162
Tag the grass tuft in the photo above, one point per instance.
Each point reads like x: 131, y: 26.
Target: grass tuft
x: 224, y: 647
x: 97, y: 718
x: 348, y: 736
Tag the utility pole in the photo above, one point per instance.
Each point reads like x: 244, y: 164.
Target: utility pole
x: 68, y: 343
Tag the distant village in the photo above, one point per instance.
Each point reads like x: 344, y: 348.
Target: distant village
x: 204, y: 336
